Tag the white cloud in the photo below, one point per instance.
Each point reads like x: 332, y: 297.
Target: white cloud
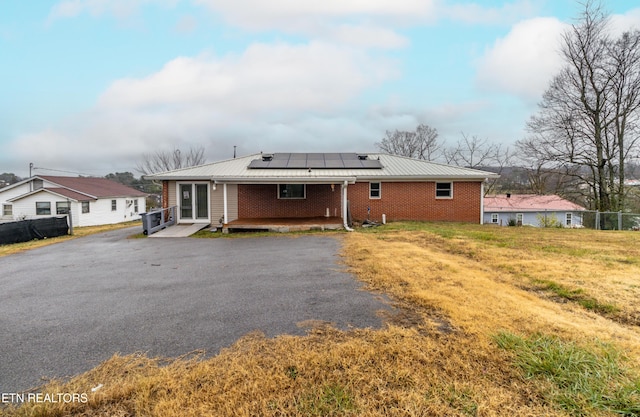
x: 269, y: 97
x: 475, y: 13
x: 628, y: 21
x: 120, y: 9
x: 367, y: 36
x: 295, y: 15
x: 315, y: 76
x: 524, y: 61
x: 361, y: 23
x: 186, y: 24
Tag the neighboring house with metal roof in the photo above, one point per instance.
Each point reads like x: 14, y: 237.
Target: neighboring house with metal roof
x: 531, y: 210
x: 91, y: 201
x: 330, y: 185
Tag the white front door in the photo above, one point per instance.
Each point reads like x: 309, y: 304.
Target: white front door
x: 193, y: 203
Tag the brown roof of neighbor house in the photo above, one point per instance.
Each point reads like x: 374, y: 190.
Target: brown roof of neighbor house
x: 93, y: 187
x: 528, y: 202
x: 69, y: 194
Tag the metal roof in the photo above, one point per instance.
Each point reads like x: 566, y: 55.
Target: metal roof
x: 528, y: 203
x: 393, y: 168
x: 314, y: 160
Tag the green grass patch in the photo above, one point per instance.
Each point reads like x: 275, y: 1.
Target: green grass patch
x: 582, y: 379
x: 330, y: 400
x: 455, y: 396
x: 578, y: 296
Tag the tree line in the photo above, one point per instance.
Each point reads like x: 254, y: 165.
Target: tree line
x: 583, y: 140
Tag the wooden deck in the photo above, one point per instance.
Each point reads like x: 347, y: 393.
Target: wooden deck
x: 288, y: 224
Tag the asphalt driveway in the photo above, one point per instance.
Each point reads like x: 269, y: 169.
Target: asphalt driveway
x: 67, y: 307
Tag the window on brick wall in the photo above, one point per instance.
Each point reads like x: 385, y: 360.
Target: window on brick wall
x: 375, y: 189
x: 292, y: 191
x: 444, y: 190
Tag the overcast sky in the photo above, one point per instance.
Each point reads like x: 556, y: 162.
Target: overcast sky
x: 89, y: 86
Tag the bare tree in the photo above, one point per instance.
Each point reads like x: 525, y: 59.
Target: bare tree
x: 161, y: 161
x: 421, y: 144
x: 587, y: 123
x: 474, y: 152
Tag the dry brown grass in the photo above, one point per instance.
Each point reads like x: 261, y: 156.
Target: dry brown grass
x: 458, y: 287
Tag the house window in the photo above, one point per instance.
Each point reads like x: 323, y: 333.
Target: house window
x: 444, y: 190
x: 374, y: 190
x: 63, y: 207
x: 135, y: 205
x: 85, y: 207
x: 569, y: 219
x: 519, y: 217
x: 43, y: 208
x: 7, y: 210
x: 494, y: 218
x: 114, y: 205
x: 292, y: 191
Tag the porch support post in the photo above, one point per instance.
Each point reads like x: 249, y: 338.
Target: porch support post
x: 225, y: 204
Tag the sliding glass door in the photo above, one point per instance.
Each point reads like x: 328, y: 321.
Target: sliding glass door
x: 193, y: 200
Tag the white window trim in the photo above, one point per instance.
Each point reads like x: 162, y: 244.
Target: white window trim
x: 58, y: 207
x: 304, y: 192
x: 568, y: 219
x: 43, y: 202
x: 193, y: 190
x: 379, y: 190
x: 7, y: 209
x: 450, y: 196
x: 495, y: 216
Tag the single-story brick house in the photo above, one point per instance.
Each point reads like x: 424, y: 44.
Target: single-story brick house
x: 91, y: 201
x: 531, y: 210
x: 307, y: 185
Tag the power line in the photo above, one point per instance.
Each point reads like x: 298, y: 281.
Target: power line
x: 60, y: 170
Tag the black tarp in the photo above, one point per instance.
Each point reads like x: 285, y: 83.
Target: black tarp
x: 26, y: 230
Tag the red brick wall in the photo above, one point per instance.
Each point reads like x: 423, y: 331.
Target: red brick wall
x: 261, y: 200
x: 416, y: 201
x: 165, y: 194
x: 400, y: 201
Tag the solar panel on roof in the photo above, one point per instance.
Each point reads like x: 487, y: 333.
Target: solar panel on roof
x: 315, y: 160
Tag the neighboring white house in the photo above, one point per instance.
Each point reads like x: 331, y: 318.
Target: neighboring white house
x: 91, y: 201
x: 531, y: 210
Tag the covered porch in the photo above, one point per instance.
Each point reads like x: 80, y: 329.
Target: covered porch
x: 283, y: 224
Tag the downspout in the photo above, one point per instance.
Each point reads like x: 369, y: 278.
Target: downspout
x: 344, y: 207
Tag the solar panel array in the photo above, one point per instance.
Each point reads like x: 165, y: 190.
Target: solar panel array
x: 315, y: 161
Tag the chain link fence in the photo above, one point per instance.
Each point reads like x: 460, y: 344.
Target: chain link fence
x: 611, y: 220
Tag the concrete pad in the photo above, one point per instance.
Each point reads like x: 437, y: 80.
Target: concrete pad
x: 179, y: 230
